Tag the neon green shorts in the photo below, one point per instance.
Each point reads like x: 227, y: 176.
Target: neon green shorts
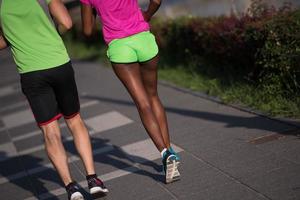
x: 140, y: 47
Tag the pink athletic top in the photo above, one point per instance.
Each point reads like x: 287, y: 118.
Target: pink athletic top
x: 120, y: 18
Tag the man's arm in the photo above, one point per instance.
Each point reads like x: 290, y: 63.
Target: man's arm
x: 88, y: 19
x: 152, y: 9
x: 61, y: 15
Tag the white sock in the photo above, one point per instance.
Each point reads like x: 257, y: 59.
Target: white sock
x: 163, y: 152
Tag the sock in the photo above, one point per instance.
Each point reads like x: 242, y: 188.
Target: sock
x: 91, y: 176
x: 69, y: 185
x: 162, y: 153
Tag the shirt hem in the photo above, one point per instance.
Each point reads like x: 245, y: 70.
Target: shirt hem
x: 45, y: 68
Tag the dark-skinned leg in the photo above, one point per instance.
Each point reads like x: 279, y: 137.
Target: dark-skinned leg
x: 130, y: 76
x: 149, y: 78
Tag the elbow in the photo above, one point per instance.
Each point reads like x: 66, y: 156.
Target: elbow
x: 68, y: 24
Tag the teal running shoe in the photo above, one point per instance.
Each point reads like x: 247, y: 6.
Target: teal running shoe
x: 170, y: 167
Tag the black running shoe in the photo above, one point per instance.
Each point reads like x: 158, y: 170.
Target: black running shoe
x: 73, y: 192
x: 170, y: 166
x: 97, y: 188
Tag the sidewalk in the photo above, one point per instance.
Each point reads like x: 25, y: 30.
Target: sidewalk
x: 226, y: 154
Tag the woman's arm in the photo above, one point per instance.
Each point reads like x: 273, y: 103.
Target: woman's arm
x: 61, y: 15
x: 152, y: 9
x: 3, y: 43
x: 88, y: 19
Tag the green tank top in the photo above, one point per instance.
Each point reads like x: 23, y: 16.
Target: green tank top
x: 34, y: 41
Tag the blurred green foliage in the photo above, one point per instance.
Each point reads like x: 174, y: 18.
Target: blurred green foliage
x: 261, y: 47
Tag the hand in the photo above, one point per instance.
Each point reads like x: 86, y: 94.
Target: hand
x: 146, y: 16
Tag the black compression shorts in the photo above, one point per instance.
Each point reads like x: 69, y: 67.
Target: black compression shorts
x: 51, y: 93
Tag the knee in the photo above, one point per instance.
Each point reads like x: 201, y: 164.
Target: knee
x: 51, y: 135
x: 152, y: 94
x: 74, y: 121
x: 144, y: 106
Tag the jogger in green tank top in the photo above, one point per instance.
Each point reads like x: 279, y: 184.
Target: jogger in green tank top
x: 47, y: 80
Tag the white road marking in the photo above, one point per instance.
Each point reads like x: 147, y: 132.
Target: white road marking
x: 14, y: 106
x: 139, y: 152
x: 50, y: 166
x: 7, y: 150
x: 25, y: 116
x: 4, y: 91
x: 107, y: 121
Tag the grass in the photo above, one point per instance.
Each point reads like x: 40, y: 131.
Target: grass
x: 241, y: 94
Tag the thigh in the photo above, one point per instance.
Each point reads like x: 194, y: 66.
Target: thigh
x: 41, y: 97
x: 149, y: 75
x: 130, y: 76
x: 65, y: 88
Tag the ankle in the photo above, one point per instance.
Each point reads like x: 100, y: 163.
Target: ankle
x: 91, y: 176
x: 163, y: 152
x: 70, y: 184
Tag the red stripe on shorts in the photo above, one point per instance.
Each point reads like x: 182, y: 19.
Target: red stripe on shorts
x: 57, y: 117
x: 71, y: 116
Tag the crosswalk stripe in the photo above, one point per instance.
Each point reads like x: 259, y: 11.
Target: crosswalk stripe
x: 139, y: 152
x: 143, y: 149
x: 7, y: 150
x: 4, y: 91
x: 13, y: 106
x: 50, y: 166
x: 25, y: 117
x: 108, y: 121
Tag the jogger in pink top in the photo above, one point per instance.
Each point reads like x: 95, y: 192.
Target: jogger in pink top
x: 133, y: 52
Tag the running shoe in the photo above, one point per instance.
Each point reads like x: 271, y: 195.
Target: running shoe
x: 73, y: 192
x: 97, y: 188
x: 173, y: 152
x: 170, y: 167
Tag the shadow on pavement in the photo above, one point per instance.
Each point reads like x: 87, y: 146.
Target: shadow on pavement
x: 35, y: 182
x: 117, y: 158
x: 29, y: 183
x: 231, y: 121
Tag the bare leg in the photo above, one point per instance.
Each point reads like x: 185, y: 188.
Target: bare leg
x: 149, y: 77
x: 82, y: 142
x: 56, y: 151
x: 130, y: 75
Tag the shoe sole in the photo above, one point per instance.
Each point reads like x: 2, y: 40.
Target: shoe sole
x: 98, y: 192
x: 172, y: 173
x: 77, y: 196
